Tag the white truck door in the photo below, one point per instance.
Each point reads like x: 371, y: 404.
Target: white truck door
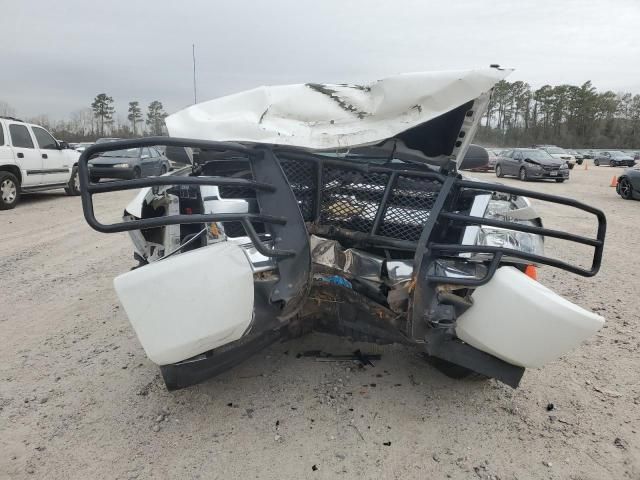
x: 56, y: 166
x: 26, y: 155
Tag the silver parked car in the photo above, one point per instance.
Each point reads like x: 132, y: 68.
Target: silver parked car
x: 531, y: 164
x: 614, y: 158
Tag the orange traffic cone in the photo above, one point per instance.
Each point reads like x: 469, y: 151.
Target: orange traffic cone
x: 614, y: 181
x: 531, y: 271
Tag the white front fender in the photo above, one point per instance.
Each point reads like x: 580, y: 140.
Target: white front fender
x: 522, y: 322
x: 189, y: 303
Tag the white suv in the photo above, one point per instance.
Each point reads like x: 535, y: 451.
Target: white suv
x: 31, y: 160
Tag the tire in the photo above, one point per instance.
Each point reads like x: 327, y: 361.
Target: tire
x: 612, y: 163
x: 9, y: 191
x: 579, y: 162
x: 571, y: 165
x: 560, y: 180
x: 73, y: 188
x: 452, y: 370
x: 163, y: 169
x: 596, y: 162
x: 499, y: 173
x: 137, y: 173
x: 625, y: 190
x: 522, y: 175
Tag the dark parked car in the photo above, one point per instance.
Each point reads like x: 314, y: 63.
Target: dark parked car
x: 614, y: 158
x: 128, y: 164
x: 476, y: 159
x: 629, y: 184
x: 530, y: 164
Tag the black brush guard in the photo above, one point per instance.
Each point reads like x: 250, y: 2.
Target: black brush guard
x: 392, y: 206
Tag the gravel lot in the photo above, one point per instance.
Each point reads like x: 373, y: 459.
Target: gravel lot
x: 79, y: 399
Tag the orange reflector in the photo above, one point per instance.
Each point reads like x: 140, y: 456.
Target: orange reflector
x: 531, y: 271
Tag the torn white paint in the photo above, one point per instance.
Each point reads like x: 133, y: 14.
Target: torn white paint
x: 329, y: 117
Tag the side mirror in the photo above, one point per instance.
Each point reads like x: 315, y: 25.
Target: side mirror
x: 63, y: 145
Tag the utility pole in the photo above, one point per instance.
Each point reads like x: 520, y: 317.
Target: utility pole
x: 193, y: 54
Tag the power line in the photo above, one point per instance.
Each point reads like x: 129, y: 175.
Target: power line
x: 193, y: 54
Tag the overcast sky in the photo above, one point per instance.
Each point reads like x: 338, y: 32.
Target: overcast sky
x: 56, y: 57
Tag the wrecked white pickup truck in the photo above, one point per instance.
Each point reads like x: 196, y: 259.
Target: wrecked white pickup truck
x: 340, y: 208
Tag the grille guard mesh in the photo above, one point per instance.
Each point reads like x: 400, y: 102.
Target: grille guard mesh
x: 393, y: 205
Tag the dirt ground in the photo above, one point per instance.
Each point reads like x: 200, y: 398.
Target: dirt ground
x: 79, y: 399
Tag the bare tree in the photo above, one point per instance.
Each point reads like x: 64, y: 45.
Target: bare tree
x: 6, y: 110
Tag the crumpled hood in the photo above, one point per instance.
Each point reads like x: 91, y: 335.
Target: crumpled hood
x: 425, y: 111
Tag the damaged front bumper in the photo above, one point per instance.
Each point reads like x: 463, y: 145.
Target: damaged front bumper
x: 265, y: 242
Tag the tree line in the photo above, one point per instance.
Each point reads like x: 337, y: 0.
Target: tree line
x: 565, y: 115
x: 517, y: 115
x: 100, y: 120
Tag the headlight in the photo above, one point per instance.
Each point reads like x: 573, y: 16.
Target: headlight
x: 517, y: 210
x: 535, y: 166
x: 121, y: 165
x: 564, y: 165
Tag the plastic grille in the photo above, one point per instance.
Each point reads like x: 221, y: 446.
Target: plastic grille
x: 350, y: 199
x: 236, y: 192
x: 409, y: 206
x: 301, y: 176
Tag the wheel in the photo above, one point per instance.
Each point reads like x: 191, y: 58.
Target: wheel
x: 523, y: 174
x: 9, y: 191
x: 612, y: 163
x: 560, y: 180
x: 499, y: 173
x: 73, y: 188
x: 596, y: 162
x: 579, y: 162
x: 571, y: 165
x: 137, y: 173
x: 452, y: 370
x: 163, y: 169
x: 625, y: 189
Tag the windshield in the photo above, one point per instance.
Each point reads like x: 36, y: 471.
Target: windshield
x: 536, y: 155
x: 128, y: 153
x: 555, y: 150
